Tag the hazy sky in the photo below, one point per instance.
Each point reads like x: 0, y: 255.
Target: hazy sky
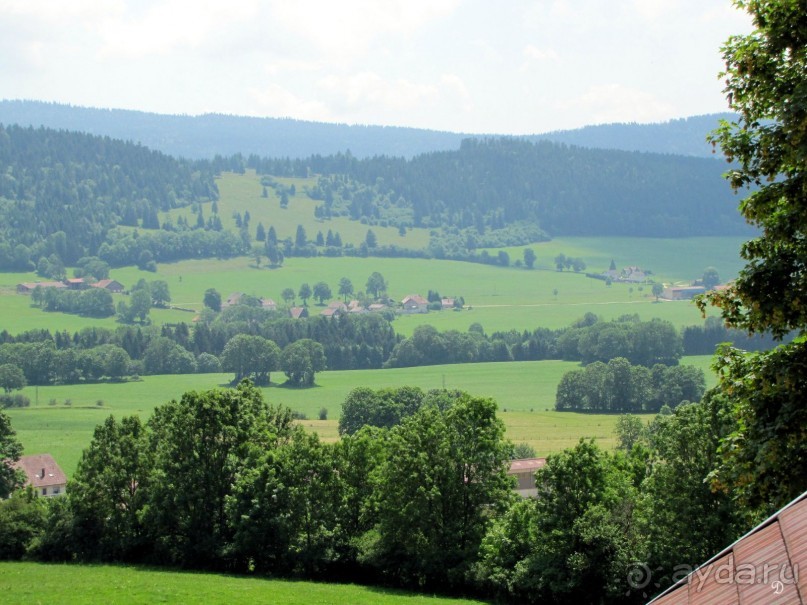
x: 474, y: 66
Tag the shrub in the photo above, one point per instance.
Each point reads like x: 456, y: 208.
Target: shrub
x: 18, y: 400
x: 323, y: 414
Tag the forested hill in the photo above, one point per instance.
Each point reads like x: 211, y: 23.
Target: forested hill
x: 208, y: 135
x: 492, y: 183
x: 685, y: 136
x: 60, y: 192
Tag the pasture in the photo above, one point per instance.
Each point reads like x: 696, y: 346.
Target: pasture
x: 109, y: 584
x: 524, y: 391
x: 498, y: 298
x: 243, y: 193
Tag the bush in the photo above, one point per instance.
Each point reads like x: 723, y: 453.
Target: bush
x: 323, y: 414
x: 17, y: 400
x: 298, y: 415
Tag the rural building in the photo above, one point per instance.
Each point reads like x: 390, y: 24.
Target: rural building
x: 268, y: 304
x: 76, y: 283
x: 43, y: 474
x: 29, y: 287
x: 524, y: 471
x: 377, y: 307
x: 298, y: 312
x: 110, y: 285
x: 631, y: 275
x: 331, y: 312
x: 447, y: 303
x: 682, y: 292
x: 232, y: 299
x: 415, y: 303
x: 761, y: 567
x: 335, y: 308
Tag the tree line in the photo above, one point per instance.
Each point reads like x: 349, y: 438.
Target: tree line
x: 221, y: 480
x: 363, y: 341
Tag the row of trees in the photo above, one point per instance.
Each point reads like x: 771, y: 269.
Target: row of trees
x: 221, y: 480
x: 618, y: 386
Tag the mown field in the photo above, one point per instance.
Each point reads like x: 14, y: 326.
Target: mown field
x: 498, y: 298
x: 24, y: 583
x: 61, y: 419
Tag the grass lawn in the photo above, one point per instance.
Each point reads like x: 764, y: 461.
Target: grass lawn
x: 524, y: 391
x: 25, y: 583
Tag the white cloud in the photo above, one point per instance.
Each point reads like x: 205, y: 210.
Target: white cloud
x: 616, y: 103
x: 348, y: 28
x: 275, y: 100
x: 172, y: 25
x: 394, y: 100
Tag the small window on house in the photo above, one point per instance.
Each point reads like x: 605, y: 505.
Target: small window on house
x: 55, y: 490
x: 44, y: 491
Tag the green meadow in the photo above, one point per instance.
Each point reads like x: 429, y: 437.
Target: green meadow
x: 498, y: 298
x: 61, y: 419
x: 243, y: 193
x: 23, y: 583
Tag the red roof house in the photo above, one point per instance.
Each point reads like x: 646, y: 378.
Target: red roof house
x: 524, y: 471
x: 43, y: 474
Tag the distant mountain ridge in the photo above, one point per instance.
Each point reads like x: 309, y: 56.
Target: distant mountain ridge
x: 208, y: 135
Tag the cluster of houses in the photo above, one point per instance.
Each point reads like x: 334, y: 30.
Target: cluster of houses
x: 413, y: 303
x: 77, y: 283
x: 628, y: 275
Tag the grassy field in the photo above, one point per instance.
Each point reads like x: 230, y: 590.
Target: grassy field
x: 24, y: 583
x: 498, y: 298
x: 525, y: 392
x: 243, y: 193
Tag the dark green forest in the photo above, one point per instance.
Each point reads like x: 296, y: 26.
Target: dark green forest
x: 494, y: 183
x: 64, y: 195
x: 61, y: 192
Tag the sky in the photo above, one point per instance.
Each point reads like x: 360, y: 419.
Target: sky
x: 472, y: 66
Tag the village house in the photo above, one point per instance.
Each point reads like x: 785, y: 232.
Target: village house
x: 29, y: 287
x: 682, y: 292
x: 76, y: 283
x: 415, y: 303
x: 42, y: 474
x: 232, y: 300
x: 110, y: 285
x: 298, y: 312
x: 447, y: 303
x: 268, y: 304
x: 375, y: 307
x: 524, y: 471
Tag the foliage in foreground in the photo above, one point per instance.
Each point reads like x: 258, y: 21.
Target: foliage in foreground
x: 222, y: 481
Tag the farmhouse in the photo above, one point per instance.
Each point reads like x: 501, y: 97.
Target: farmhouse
x: 524, y: 471
x: 415, y: 303
x: 76, y: 283
x: 268, y: 304
x: 298, y: 312
x: 43, y: 474
x: 761, y: 567
x: 447, y: 303
x: 682, y: 292
x: 29, y: 287
x: 232, y: 299
x: 110, y: 285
